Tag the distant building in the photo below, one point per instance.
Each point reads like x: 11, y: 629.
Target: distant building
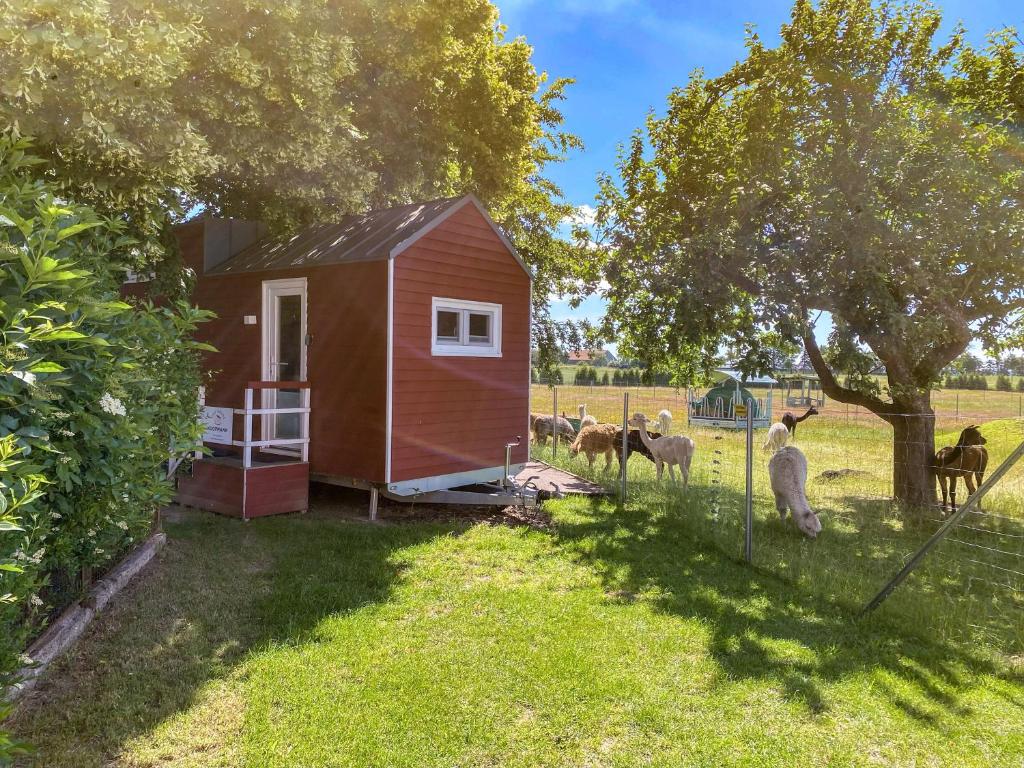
x: 590, y: 357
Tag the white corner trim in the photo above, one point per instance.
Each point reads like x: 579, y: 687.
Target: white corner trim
x: 463, y: 348
x: 452, y: 480
x: 390, y: 370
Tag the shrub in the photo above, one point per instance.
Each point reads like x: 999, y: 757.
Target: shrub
x: 1003, y: 383
x: 96, y: 395
x: 1020, y: 385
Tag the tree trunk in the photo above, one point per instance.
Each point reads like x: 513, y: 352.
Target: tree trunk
x: 913, y: 451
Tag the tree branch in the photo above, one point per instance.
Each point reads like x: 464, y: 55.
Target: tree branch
x: 833, y: 389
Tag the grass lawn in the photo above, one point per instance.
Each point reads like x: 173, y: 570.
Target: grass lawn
x: 611, y: 637
x: 970, y: 589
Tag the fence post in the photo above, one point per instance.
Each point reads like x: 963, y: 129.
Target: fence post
x: 958, y: 405
x: 748, y: 542
x: 968, y: 506
x: 554, y: 422
x: 625, y: 444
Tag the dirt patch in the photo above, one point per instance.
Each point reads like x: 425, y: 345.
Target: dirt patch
x: 333, y: 501
x: 839, y: 474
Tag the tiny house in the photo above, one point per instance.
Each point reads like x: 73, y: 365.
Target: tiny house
x: 388, y: 351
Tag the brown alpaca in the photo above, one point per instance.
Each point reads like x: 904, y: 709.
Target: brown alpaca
x: 594, y: 439
x: 791, y: 421
x: 967, y: 459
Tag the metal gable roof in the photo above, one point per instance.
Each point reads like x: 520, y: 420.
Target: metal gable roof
x: 359, y: 237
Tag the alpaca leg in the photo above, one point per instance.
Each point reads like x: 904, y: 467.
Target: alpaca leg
x: 781, y: 506
x: 590, y: 460
x: 671, y: 473
x: 660, y: 466
x: 945, y: 490
x: 608, y: 459
x: 969, y: 482
x: 952, y: 492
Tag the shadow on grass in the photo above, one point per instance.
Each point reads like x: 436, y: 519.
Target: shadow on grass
x: 761, y: 627
x: 221, y: 589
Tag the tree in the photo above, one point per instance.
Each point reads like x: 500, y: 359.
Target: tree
x: 860, y: 168
x: 291, y: 112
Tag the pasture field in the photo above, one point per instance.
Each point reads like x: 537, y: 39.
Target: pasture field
x: 951, y: 406
x: 971, y: 588
x: 598, y: 636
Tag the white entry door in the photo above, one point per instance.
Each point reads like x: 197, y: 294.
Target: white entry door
x: 284, y: 354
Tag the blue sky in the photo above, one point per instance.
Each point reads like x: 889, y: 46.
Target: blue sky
x: 626, y: 55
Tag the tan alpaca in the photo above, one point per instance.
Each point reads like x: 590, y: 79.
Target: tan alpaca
x: 672, y: 450
x: 595, y: 439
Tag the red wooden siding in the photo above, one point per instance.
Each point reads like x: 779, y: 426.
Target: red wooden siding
x: 347, y: 355
x: 256, y: 492
x: 455, y: 414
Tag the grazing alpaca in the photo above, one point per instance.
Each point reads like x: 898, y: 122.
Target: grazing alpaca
x: 667, y: 449
x: 543, y: 426
x: 594, y: 439
x: 967, y: 459
x: 788, y: 472
x: 791, y: 421
x: 778, y: 436
x: 586, y: 421
x: 665, y: 421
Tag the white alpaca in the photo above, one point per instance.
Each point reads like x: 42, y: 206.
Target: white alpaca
x: 586, y: 421
x: 665, y: 421
x: 788, y: 472
x: 778, y: 436
x: 669, y: 449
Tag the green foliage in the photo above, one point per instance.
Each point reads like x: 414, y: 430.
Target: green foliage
x: 861, y: 168
x: 95, y: 395
x: 972, y: 381
x: 291, y: 112
x: 1003, y: 383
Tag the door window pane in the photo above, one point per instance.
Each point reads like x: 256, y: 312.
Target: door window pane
x: 289, y: 350
x: 479, y: 328
x: 448, y: 326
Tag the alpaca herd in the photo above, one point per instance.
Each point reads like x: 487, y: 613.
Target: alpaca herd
x: 787, y: 466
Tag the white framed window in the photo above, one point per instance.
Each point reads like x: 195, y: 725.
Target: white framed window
x: 465, y: 328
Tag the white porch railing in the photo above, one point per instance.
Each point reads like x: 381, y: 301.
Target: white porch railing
x: 247, y: 443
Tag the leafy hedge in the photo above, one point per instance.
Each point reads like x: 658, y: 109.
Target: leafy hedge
x: 95, y: 394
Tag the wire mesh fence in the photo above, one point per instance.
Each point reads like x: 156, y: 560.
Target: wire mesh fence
x: 970, y: 588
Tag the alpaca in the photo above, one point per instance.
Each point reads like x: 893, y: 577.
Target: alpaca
x: 665, y: 420
x: 543, y: 426
x: 778, y: 436
x: 594, y: 439
x: 967, y: 459
x: 634, y: 445
x: 667, y: 449
x: 586, y: 421
x: 791, y: 421
x: 787, y: 470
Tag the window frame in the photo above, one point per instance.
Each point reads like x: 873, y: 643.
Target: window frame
x: 464, y: 347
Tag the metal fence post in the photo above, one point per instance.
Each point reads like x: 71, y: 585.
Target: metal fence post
x: 554, y: 422
x: 625, y: 443
x: 748, y: 542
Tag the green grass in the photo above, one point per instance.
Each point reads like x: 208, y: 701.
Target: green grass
x: 614, y: 638
x: 970, y: 589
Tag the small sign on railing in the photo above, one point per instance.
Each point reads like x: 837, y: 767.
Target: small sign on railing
x: 217, y: 423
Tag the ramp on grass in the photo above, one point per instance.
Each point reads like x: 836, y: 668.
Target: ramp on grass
x: 553, y: 480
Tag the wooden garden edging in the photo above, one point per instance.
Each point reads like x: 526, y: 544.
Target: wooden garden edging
x: 65, y: 631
